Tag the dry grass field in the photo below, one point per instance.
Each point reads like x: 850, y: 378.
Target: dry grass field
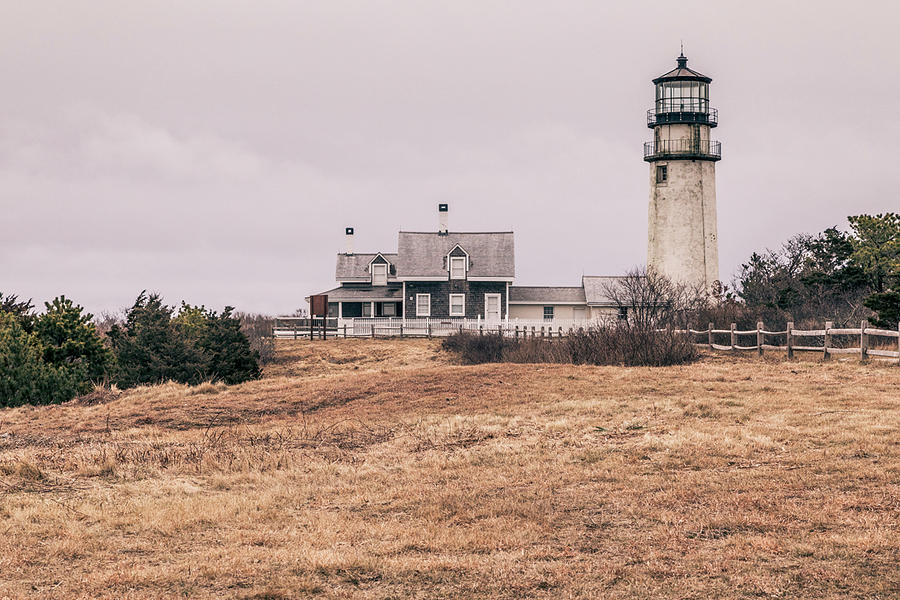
x: 378, y: 469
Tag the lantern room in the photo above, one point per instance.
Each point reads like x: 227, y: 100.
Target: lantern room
x: 682, y: 96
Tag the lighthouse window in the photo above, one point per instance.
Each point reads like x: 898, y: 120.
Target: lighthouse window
x: 662, y: 173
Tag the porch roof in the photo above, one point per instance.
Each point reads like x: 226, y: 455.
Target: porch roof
x: 361, y: 293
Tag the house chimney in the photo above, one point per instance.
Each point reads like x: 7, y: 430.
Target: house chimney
x: 442, y: 218
x: 349, y: 240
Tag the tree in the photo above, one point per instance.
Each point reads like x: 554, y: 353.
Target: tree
x: 149, y: 348
x: 21, y: 310
x: 876, y: 248
x: 226, y: 349
x: 70, y: 341
x: 887, y: 307
x: 154, y: 344
x: 24, y: 376
x: 231, y: 358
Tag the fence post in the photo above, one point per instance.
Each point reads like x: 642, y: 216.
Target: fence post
x: 401, y: 331
x: 542, y: 331
x: 533, y: 331
x: 560, y: 331
x: 481, y: 330
x: 429, y: 329
x: 827, y: 346
x: 709, y: 331
x: 517, y: 332
x: 790, y: 339
x: 295, y: 330
x: 759, y: 338
x: 311, y: 327
x: 863, y: 341
x: 373, y: 329
x: 733, y: 337
x: 345, y: 331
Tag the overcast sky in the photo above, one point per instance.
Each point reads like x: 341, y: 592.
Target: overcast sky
x: 213, y: 151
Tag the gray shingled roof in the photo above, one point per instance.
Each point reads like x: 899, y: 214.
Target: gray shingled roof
x: 355, y: 293
x: 421, y: 254
x: 549, y: 295
x: 595, y: 289
x: 355, y: 267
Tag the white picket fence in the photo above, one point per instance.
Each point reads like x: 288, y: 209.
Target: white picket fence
x: 296, y: 328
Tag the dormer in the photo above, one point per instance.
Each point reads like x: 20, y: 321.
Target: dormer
x: 379, y: 270
x: 457, y: 261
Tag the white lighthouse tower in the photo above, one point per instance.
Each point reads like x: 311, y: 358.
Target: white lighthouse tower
x: 682, y: 239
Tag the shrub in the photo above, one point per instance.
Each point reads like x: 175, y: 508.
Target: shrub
x: 70, y: 341
x: 24, y: 376
x: 149, y: 348
x: 620, y: 344
x: 154, y: 345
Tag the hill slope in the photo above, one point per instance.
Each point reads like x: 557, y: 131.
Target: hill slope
x: 377, y: 469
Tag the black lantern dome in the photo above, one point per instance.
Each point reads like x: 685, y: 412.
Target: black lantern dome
x: 682, y: 96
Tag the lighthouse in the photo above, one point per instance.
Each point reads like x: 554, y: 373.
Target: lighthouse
x: 682, y: 239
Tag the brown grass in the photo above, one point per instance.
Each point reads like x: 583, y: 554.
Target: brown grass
x: 377, y: 469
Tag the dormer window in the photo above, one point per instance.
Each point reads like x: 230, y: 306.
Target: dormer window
x: 457, y: 267
x: 379, y: 273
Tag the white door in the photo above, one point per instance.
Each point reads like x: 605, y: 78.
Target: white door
x: 492, y: 307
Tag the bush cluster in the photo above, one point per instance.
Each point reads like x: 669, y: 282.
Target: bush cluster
x: 58, y: 354
x: 611, y: 344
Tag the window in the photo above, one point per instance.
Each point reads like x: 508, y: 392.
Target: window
x: 548, y: 313
x: 662, y: 173
x: 457, y: 267
x: 423, y: 305
x: 389, y: 309
x: 379, y: 274
x: 457, y: 305
x: 623, y: 312
x: 367, y: 309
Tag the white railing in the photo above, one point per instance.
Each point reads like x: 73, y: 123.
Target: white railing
x: 424, y: 327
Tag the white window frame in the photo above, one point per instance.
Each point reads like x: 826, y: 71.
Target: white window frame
x: 419, y: 305
x: 552, y: 313
x: 379, y: 267
x: 460, y: 314
x: 457, y: 260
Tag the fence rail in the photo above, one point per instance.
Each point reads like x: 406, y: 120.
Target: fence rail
x: 864, y: 334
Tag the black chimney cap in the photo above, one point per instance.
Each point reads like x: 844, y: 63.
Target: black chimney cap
x: 443, y: 208
x: 349, y: 231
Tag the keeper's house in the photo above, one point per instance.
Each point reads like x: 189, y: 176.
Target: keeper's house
x: 448, y: 275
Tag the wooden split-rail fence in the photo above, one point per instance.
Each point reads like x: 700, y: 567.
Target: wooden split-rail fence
x: 886, y: 341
